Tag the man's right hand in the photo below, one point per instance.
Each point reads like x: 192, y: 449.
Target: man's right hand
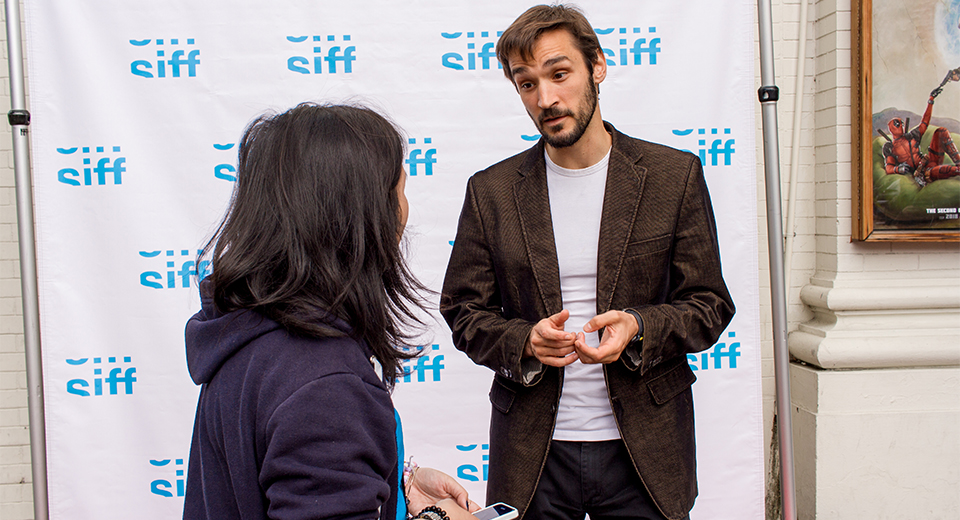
x: 550, y: 344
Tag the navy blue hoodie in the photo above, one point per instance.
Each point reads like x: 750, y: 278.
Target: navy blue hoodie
x: 286, y: 427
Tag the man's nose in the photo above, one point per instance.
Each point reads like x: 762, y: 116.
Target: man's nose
x: 546, y: 96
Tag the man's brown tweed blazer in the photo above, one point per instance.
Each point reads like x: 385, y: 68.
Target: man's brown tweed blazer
x: 658, y: 254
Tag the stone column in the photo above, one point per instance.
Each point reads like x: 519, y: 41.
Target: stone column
x: 876, y: 376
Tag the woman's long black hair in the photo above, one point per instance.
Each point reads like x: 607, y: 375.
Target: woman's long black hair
x: 314, y: 226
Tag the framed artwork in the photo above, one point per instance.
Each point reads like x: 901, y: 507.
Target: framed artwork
x: 906, y: 120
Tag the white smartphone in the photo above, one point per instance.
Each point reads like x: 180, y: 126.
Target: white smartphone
x: 498, y: 511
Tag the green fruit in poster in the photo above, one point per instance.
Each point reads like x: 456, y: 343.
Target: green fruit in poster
x: 900, y: 198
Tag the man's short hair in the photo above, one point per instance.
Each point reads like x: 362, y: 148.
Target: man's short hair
x: 524, y: 32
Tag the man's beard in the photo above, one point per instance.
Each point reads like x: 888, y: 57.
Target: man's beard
x: 581, y: 120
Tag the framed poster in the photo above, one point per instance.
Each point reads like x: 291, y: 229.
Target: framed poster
x: 906, y: 121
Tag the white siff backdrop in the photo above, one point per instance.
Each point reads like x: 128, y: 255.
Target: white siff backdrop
x: 137, y: 108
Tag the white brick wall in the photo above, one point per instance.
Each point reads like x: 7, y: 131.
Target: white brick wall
x: 16, y: 491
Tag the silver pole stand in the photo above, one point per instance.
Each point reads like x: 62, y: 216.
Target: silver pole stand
x: 19, y: 119
x: 769, y: 94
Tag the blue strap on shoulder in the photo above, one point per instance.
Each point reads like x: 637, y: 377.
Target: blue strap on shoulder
x: 401, y: 500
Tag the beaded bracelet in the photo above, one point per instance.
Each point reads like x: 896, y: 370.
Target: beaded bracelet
x: 433, y: 513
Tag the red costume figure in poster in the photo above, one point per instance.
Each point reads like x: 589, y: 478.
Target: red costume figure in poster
x: 902, y: 153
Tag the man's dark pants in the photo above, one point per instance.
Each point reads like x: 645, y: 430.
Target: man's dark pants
x: 595, y: 478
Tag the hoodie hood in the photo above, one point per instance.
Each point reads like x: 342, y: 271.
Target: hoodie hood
x: 213, y: 337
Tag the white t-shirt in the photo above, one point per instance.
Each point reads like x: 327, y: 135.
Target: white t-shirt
x: 576, y: 205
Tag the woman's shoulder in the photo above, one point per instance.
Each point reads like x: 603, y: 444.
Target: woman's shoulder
x: 287, y: 357
x: 270, y: 369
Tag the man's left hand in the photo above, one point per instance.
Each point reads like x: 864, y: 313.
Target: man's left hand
x: 619, y: 329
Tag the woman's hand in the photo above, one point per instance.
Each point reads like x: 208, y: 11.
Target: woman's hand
x: 428, y: 486
x: 454, y: 511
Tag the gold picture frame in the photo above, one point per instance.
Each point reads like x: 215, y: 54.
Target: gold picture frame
x: 895, y: 59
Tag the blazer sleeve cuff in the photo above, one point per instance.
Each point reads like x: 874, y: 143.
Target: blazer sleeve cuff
x: 531, y: 371
x: 633, y: 354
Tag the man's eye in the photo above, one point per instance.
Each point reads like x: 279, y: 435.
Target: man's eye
x: 559, y: 75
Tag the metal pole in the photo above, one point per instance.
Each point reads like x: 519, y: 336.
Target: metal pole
x: 19, y: 119
x: 769, y: 94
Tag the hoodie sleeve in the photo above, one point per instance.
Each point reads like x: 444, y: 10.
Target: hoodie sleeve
x: 330, y: 451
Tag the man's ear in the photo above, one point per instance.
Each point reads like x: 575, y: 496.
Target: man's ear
x: 600, y: 67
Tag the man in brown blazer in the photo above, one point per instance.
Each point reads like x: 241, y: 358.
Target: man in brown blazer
x: 583, y: 271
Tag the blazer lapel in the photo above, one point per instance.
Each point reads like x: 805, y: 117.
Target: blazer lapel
x: 533, y: 207
x: 625, y: 179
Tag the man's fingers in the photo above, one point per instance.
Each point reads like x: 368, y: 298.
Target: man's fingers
x: 601, y: 354
x: 580, y: 342
x: 557, y: 356
x: 550, y: 330
x: 559, y: 361
x: 609, y: 350
x: 607, y: 353
x: 559, y: 318
x: 557, y: 352
x: 551, y: 344
x: 600, y: 321
x: 588, y: 354
x: 552, y: 336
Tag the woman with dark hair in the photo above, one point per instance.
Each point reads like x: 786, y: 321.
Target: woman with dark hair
x: 296, y: 343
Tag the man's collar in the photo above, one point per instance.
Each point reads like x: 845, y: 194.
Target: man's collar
x: 619, y: 143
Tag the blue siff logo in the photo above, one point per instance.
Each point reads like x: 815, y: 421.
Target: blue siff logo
x: 109, y: 167
x: 648, y: 45
x: 485, y: 53
x: 638, y: 48
x: 225, y: 171
x: 719, y: 145
x: 119, y: 380
x: 334, y: 53
x: 164, y: 487
x: 178, y: 272
x: 417, y: 156
x: 471, y: 472
x: 716, y: 354
x: 421, y: 365
x: 180, y: 59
